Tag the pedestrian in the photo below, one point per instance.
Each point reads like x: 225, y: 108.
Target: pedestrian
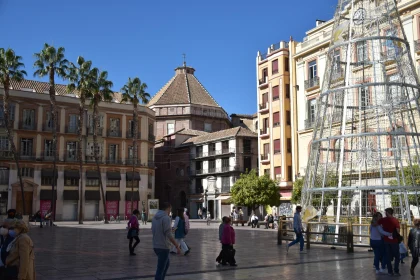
x: 187, y: 224
x: 200, y: 214
x: 403, y: 249
x: 377, y: 243
x: 143, y: 217
x: 254, y: 220
x: 38, y: 218
x: 133, y: 231
x: 228, y: 240
x: 391, y: 224
x: 21, y: 257
x: 11, y: 214
x: 179, y: 229
x: 162, y: 237
x: 208, y: 218
x: 220, y: 259
x: 204, y: 210
x: 276, y: 221
x: 414, y: 245
x: 241, y: 214
x: 6, y: 239
x: 298, y: 229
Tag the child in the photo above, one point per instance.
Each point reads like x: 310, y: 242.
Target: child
x: 403, y: 249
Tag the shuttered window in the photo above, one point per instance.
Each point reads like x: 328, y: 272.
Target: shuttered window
x: 275, y: 93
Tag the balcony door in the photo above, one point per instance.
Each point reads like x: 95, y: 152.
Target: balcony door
x: 113, y: 153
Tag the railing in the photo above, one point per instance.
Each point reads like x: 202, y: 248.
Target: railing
x: 417, y: 45
x: 212, y: 153
x: 71, y: 158
x: 25, y: 126
x: 225, y: 188
x: 276, y: 124
x: 337, y: 74
x: 91, y: 159
x: 264, y: 131
x: 48, y: 156
x: 72, y: 129
x: 223, y: 169
x: 264, y: 156
x: 262, y: 81
x: 131, y: 161
x: 27, y: 157
x: 113, y: 161
x: 46, y: 127
x: 277, y: 151
x: 115, y: 133
x: 309, y: 123
x: 152, y: 138
x: 3, y: 122
x: 130, y: 134
x: 263, y: 106
x: 314, y: 82
x: 99, y: 131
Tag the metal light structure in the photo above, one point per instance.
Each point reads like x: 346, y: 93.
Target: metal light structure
x: 365, y: 147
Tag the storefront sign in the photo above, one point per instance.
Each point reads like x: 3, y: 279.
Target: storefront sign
x: 128, y: 210
x: 153, y: 206
x: 45, y: 206
x: 112, y: 209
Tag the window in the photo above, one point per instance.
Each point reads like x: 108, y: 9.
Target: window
x: 170, y: 128
x: 26, y: 147
x: 90, y: 151
x: 198, y: 165
x: 362, y: 51
x: 11, y: 112
x: 277, y: 172
x: 150, y: 154
x: 28, y: 118
x: 27, y: 172
x: 4, y: 176
x: 73, y: 123
x: 287, y: 91
x: 46, y: 181
x: 112, y: 183
x: 336, y: 62
x: 289, y: 145
x: 212, y: 149
x: 4, y: 143
x: 288, y: 117
x: 92, y: 182
x: 265, y: 125
x: 275, y: 93
x: 247, y: 164
x: 265, y: 74
x: 130, y: 152
x: 401, y: 138
x: 264, y: 100
x: 267, y: 172
x: 48, y: 121
x: 48, y: 148
x: 71, y: 182
x: 289, y: 173
x: 286, y: 64
x: 212, y: 165
x: 275, y: 66
x: 149, y: 182
x: 312, y: 70
x: 151, y: 131
x: 112, y: 152
x: 225, y: 182
x: 277, y: 149
x: 266, y: 149
x: 100, y: 120
x: 389, y: 44
x: 364, y: 97
x: 114, y: 127
x: 225, y: 146
x: 247, y: 145
x: 71, y: 150
x: 225, y: 164
x: 394, y: 92
x: 207, y: 127
x: 199, y: 151
x: 276, y: 119
x: 311, y: 109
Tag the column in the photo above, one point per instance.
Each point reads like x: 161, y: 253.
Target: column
x: 59, y: 201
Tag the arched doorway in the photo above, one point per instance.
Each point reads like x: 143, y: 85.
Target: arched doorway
x: 183, y: 199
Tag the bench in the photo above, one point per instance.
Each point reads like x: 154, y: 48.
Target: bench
x: 242, y: 222
x: 262, y: 223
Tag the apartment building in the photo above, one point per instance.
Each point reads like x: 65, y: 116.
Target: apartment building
x: 33, y: 139
x: 274, y: 116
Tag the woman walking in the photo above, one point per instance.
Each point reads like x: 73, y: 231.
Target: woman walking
x: 133, y: 231
x: 179, y: 228
x: 414, y: 245
x: 21, y: 258
x: 377, y: 243
x: 228, y: 239
x: 143, y: 217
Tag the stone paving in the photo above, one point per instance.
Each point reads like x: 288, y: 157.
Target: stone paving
x: 97, y: 251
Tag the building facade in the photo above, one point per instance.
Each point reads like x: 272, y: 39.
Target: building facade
x: 33, y: 140
x: 274, y: 116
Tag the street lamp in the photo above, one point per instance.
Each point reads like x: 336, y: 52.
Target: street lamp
x: 205, y: 201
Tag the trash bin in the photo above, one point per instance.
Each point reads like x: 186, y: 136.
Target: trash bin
x: 326, y: 237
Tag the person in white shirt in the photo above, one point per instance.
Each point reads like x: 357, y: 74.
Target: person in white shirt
x: 298, y: 229
x: 254, y: 220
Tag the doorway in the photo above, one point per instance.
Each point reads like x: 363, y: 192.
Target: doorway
x: 28, y: 202
x: 211, y: 208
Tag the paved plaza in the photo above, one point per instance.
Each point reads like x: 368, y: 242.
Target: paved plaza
x: 97, y: 251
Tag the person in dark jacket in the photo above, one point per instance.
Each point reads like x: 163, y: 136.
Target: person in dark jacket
x: 6, y: 237
x: 220, y: 259
x: 414, y: 245
x: 133, y: 231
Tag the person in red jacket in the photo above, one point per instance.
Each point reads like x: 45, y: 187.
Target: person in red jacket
x: 228, y: 239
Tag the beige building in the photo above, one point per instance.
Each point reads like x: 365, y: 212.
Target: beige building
x: 308, y: 67
x: 274, y: 116
x: 33, y: 139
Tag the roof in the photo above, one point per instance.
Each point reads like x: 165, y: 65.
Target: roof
x: 221, y: 134
x: 38, y: 87
x: 183, y: 88
x: 192, y: 132
x: 244, y: 116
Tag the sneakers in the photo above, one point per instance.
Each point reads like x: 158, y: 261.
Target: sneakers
x: 378, y: 271
x: 187, y: 252
x: 302, y: 252
x: 412, y: 272
x: 383, y: 270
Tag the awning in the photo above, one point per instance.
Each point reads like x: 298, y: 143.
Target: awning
x: 129, y: 176
x: 113, y: 175
x: 92, y: 174
x: 223, y: 197
x: 47, y: 172
x: 47, y: 194
x: 92, y: 195
x: 136, y: 196
x: 113, y: 196
x: 72, y: 174
x: 71, y: 195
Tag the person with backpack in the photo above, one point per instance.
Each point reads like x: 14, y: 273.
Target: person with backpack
x: 228, y: 240
x: 179, y: 228
x: 133, y: 231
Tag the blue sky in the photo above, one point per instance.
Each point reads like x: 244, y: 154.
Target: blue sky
x: 147, y: 38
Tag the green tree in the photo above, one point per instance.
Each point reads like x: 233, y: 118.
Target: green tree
x: 50, y: 61
x: 133, y: 92
x: 253, y: 191
x: 101, y: 91
x: 10, y: 65
x: 80, y: 78
x: 297, y: 191
x: 412, y: 178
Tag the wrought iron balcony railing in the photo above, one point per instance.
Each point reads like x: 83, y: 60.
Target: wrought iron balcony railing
x: 264, y: 157
x: 309, y: 123
x: 72, y: 129
x: 99, y: 131
x: 27, y: 126
x: 311, y: 83
x: 114, y: 133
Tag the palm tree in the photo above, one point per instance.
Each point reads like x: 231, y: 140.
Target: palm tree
x: 10, y: 71
x: 80, y: 80
x: 50, y: 61
x: 101, y: 91
x: 133, y: 92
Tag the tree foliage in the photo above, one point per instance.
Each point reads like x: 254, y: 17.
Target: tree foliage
x: 252, y: 191
x: 411, y: 178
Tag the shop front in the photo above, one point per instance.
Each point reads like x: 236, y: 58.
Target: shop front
x: 128, y: 207
x: 92, y: 198
x: 45, y: 205
x: 112, y: 204
x: 70, y: 205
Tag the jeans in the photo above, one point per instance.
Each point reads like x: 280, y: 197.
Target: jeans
x: 299, y: 238
x: 130, y: 245
x: 392, y: 252
x: 378, y: 247
x: 414, y: 262
x: 163, y: 263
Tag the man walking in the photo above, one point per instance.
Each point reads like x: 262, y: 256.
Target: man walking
x: 298, y: 229
x: 391, y: 224
x: 162, y: 237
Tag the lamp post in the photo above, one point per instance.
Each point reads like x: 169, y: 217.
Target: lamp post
x: 206, y: 202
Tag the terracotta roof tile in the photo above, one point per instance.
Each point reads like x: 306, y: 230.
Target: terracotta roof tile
x: 39, y: 87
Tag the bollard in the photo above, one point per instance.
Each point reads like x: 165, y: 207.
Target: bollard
x: 280, y: 232
x: 308, y: 236
x: 350, y: 242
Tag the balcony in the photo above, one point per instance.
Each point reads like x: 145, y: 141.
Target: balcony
x: 264, y: 132
x: 99, y: 131
x: 114, y: 133
x: 6, y: 155
x: 27, y: 157
x: 212, y: 153
x: 276, y: 124
x: 225, y: 188
x: 312, y: 83
x: 91, y: 159
x: 152, y: 138
x: 223, y: 169
x: 263, y: 107
x: 309, y: 123
x: 417, y: 45
x: 265, y: 157
x: 130, y: 135
x: 72, y: 129
x: 337, y: 75
x: 27, y: 126
x: 48, y: 127
x: 263, y: 82
x: 112, y: 160
x: 48, y: 156
x: 277, y: 151
x: 71, y: 156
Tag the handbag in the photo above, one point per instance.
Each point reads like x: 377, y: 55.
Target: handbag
x: 132, y: 232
